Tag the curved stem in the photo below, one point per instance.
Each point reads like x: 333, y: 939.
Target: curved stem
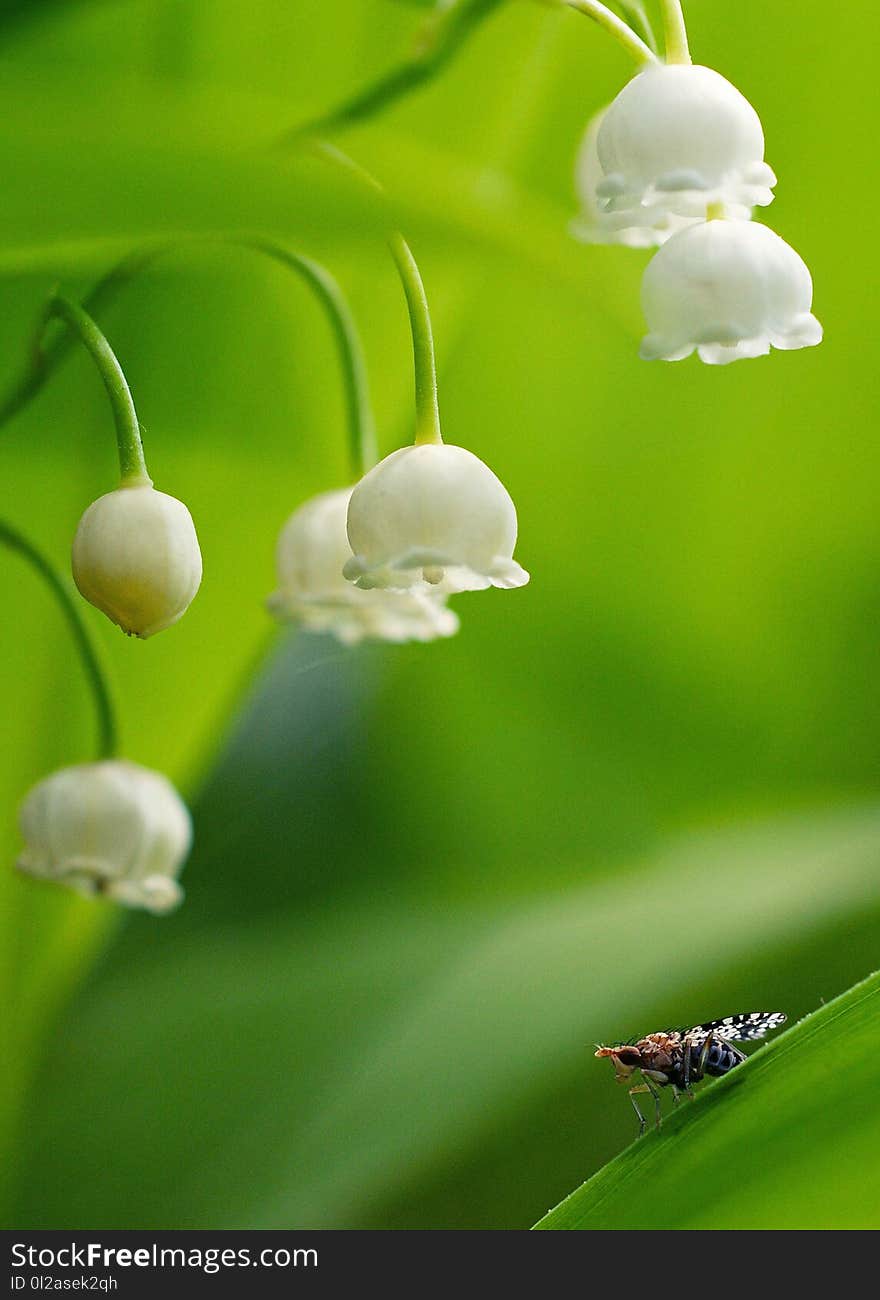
x: 44, y: 359
x: 107, y: 734
x: 640, y: 22
x: 44, y: 355
x: 621, y: 31
x: 362, y: 431
x: 132, y: 466
x: 675, y: 32
x: 424, y: 357
x: 427, y: 408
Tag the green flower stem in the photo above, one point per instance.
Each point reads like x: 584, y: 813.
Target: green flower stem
x: 424, y: 357
x: 615, y: 26
x: 675, y: 32
x: 107, y: 732
x: 132, y: 466
x: 362, y: 431
x: 45, y: 358
x: 427, y: 408
x: 46, y: 353
x: 440, y: 38
x: 640, y: 21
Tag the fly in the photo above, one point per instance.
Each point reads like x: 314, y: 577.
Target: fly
x: 681, y: 1057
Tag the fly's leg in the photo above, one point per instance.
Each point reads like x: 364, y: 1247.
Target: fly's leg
x: 643, y: 1123
x: 700, y: 1067
x: 676, y: 1095
x: 704, y: 1056
x: 658, y: 1114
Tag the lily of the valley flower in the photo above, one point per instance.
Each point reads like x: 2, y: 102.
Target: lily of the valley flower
x: 677, y: 138
x: 110, y: 828
x: 432, y: 516
x: 136, y: 557
x: 596, y: 225
x: 312, y: 549
x: 727, y: 290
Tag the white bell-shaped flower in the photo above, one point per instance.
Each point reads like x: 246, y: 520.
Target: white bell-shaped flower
x: 136, y: 557
x: 312, y: 550
x: 595, y: 224
x: 432, y: 516
x: 110, y: 828
x: 677, y: 138
x: 727, y: 290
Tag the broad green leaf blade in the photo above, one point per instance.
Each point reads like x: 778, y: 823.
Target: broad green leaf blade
x: 789, y: 1140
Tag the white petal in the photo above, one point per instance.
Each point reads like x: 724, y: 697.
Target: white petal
x: 105, y: 827
x: 675, y: 139
x: 432, y: 518
x: 728, y: 290
x: 312, y: 551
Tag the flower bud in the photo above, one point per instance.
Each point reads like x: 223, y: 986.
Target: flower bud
x: 677, y: 138
x: 432, y: 516
x: 110, y: 828
x: 312, y: 549
x: 136, y: 557
x: 727, y: 289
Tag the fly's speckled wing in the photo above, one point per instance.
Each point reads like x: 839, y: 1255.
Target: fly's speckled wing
x: 738, y: 1029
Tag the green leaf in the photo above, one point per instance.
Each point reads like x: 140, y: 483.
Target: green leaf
x: 307, y: 1066
x: 789, y: 1140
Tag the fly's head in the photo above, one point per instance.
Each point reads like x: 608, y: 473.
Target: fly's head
x: 624, y: 1057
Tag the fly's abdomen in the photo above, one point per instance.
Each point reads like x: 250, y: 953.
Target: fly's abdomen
x: 720, y: 1058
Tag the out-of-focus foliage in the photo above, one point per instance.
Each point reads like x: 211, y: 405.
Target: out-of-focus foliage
x: 701, y: 1171
x: 640, y: 791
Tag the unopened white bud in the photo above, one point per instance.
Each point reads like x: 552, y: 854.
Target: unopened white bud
x: 110, y: 828
x: 433, y: 517
x: 312, y: 549
x: 136, y: 557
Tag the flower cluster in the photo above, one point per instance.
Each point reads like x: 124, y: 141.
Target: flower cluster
x: 677, y: 161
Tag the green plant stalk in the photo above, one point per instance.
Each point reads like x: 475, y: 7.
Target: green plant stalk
x: 424, y: 358
x: 615, y: 26
x: 638, y: 15
x: 132, y: 466
x: 675, y: 32
x: 106, y: 718
x: 44, y: 359
x: 361, y: 426
x: 439, y: 39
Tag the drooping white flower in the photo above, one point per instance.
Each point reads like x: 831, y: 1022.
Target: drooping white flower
x: 432, y: 516
x: 727, y: 290
x: 312, y: 550
x: 678, y: 138
x: 136, y: 557
x: 594, y: 224
x: 110, y: 828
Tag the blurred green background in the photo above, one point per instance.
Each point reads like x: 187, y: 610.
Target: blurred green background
x: 641, y: 791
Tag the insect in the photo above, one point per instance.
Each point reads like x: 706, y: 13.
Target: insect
x: 681, y: 1057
